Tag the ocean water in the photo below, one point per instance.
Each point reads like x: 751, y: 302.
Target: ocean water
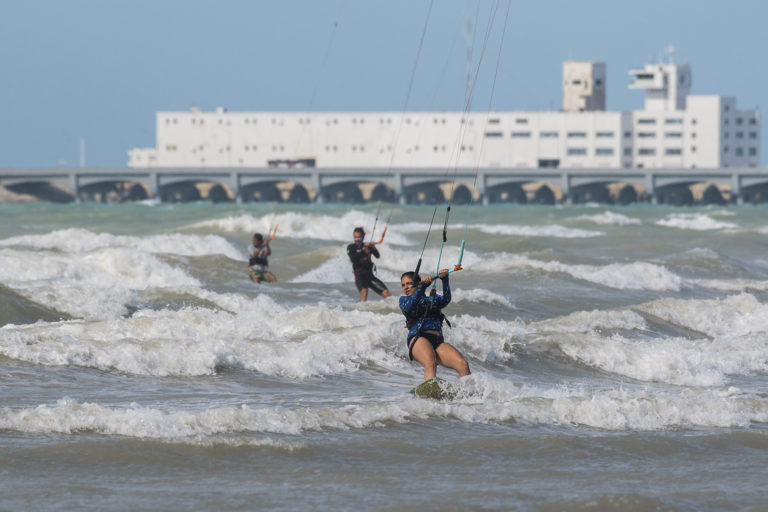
x: 619, y: 359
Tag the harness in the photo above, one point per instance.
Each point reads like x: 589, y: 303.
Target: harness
x: 258, y: 260
x: 414, y: 317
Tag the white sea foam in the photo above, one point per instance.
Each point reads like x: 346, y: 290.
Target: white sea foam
x: 553, y: 231
x: 256, y: 335
x: 589, y: 321
x: 730, y: 285
x: 390, y: 266
x: 617, y: 409
x: 76, y: 240
x: 694, y: 221
x: 308, y: 226
x: 737, y: 315
x: 95, y: 284
x: 633, y: 276
x: 476, y: 295
x: 481, y: 399
x: 609, y: 218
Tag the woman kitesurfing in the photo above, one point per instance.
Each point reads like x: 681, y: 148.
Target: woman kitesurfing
x: 424, y: 320
x: 424, y: 314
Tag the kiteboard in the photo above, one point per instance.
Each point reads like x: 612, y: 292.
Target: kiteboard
x: 435, y: 389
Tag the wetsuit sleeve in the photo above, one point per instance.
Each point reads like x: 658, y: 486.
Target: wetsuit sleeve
x: 443, y: 300
x: 375, y: 251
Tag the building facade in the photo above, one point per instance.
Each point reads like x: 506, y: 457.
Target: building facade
x: 673, y: 130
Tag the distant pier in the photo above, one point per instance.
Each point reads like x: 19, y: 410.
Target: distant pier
x: 400, y: 185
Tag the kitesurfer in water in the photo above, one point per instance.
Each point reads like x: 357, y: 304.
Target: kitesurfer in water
x: 257, y: 264
x: 360, y: 254
x: 424, y: 321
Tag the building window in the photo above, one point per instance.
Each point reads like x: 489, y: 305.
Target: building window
x: 753, y: 121
x: 739, y: 152
x: 646, y: 135
x: 739, y: 120
x: 577, y: 135
x: 604, y: 135
x: 494, y: 121
x: 752, y: 151
x: 577, y: 151
x: 739, y: 135
x: 674, y: 121
x: 674, y: 135
x: 517, y: 135
x: 673, y: 151
x: 646, y: 151
x: 627, y: 135
x: 646, y: 121
x: 627, y: 151
x: 604, y: 151
x: 521, y: 121
x: 492, y: 134
x: 752, y: 135
x: 548, y: 135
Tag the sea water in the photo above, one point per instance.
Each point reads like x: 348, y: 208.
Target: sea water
x: 619, y: 360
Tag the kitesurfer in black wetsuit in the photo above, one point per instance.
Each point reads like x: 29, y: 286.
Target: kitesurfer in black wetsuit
x: 257, y: 263
x: 360, y: 254
x: 424, y: 321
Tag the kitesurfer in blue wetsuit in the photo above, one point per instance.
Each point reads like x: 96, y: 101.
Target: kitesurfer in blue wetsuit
x: 424, y: 321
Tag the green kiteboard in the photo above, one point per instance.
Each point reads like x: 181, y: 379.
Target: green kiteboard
x: 435, y: 389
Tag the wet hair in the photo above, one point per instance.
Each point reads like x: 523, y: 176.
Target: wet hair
x: 360, y: 230
x: 413, y: 275
x: 258, y: 237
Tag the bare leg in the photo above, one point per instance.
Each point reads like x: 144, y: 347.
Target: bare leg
x: 386, y: 294
x: 270, y: 277
x: 449, y: 357
x: 363, y: 294
x: 424, y: 353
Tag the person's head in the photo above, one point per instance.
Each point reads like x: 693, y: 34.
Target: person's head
x: 409, y: 282
x: 257, y: 239
x: 358, y: 234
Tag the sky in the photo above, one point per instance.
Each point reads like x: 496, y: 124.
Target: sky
x: 81, y: 80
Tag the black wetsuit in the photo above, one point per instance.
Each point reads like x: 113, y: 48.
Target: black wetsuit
x: 362, y: 266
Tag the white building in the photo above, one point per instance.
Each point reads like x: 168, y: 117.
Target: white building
x: 674, y: 130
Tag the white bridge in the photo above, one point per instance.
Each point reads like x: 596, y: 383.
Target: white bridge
x: 404, y: 185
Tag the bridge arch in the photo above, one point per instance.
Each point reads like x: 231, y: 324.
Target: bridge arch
x: 179, y: 192
x: 429, y: 192
x: 342, y: 192
x: 678, y: 194
x: 543, y: 195
x: 42, y: 190
x: 506, y: 193
x: 260, y: 191
x: 755, y: 194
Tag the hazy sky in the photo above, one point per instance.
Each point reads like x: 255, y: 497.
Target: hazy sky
x: 98, y: 70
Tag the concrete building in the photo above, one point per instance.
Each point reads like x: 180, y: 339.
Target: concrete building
x: 673, y: 130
